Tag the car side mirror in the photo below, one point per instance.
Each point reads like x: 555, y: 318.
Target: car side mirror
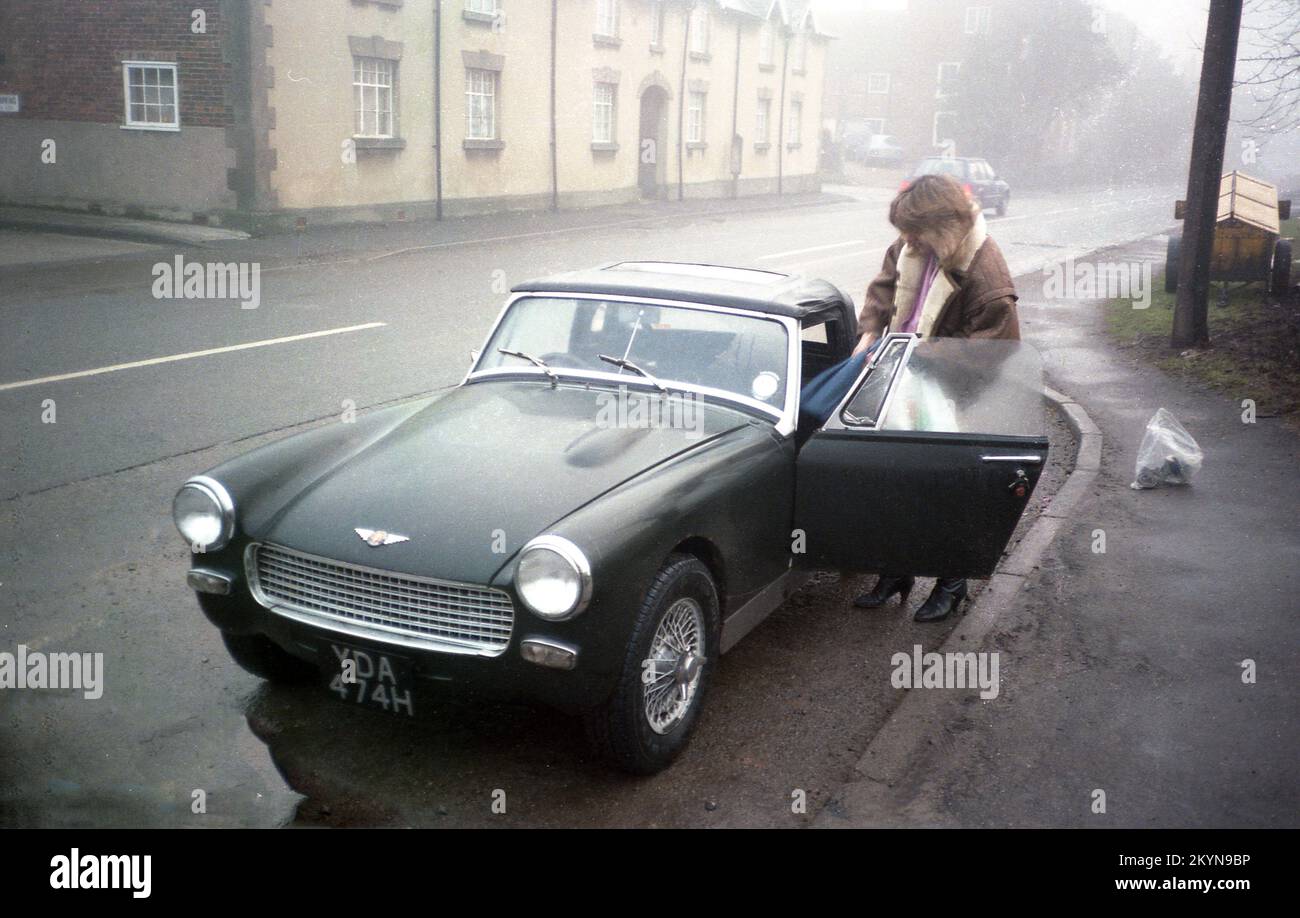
x: 474, y: 356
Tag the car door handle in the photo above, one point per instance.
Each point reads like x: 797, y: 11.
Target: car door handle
x: 1020, y: 460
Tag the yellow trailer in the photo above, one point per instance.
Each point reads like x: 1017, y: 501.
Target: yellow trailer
x: 1248, y: 245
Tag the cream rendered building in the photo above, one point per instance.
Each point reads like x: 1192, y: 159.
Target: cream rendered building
x: 403, y: 109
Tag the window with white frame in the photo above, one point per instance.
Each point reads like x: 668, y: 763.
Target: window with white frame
x: 695, y: 117
x: 700, y: 30
x: 486, y: 7
x: 794, y: 133
x: 800, y: 52
x: 480, y: 104
x: 149, y: 90
x: 607, y: 17
x: 947, y: 79
x: 977, y: 19
x: 766, y: 44
x: 763, y: 124
x: 878, y: 84
x: 656, y: 23
x: 602, y: 124
x: 372, y: 91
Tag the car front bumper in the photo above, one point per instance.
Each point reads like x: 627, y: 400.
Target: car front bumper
x: 573, y: 669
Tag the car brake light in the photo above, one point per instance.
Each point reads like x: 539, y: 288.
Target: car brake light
x: 966, y: 188
x: 904, y: 185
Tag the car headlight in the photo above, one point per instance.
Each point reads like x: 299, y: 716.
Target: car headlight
x: 204, y: 513
x: 553, y: 577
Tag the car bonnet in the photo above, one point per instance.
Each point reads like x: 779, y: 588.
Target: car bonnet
x: 476, y: 474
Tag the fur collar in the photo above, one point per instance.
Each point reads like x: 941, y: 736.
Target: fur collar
x: 911, y: 271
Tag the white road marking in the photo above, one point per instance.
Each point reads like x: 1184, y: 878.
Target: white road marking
x: 867, y: 254
x: 1070, y: 210
x: 802, y: 264
x: 152, y: 361
x: 776, y: 256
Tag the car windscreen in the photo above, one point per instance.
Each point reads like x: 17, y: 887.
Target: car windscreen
x: 963, y: 385
x: 744, y: 355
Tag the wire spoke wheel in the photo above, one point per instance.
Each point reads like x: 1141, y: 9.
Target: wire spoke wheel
x: 671, y: 673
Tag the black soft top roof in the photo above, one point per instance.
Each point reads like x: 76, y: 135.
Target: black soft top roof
x: 759, y: 290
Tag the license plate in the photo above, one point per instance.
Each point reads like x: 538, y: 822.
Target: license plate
x: 367, y: 677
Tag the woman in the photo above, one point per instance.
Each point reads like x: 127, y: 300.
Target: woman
x: 943, y: 277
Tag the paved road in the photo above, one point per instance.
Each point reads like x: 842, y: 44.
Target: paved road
x: 147, y: 391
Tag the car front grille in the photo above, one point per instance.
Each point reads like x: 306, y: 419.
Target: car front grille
x: 380, y: 605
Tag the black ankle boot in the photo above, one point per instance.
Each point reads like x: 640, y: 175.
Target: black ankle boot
x: 947, y: 596
x: 884, y: 589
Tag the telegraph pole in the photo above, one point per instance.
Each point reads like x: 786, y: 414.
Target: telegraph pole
x: 1213, y: 105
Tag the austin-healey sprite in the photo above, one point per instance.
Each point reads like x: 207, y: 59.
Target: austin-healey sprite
x: 615, y: 494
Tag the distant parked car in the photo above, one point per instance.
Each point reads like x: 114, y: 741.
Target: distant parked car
x: 873, y: 149
x: 976, y: 176
x: 854, y: 145
x: 884, y: 150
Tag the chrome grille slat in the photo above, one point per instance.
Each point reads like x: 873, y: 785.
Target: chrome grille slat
x: 364, y: 576
x: 330, y: 599
x: 448, y: 616
x: 377, y: 596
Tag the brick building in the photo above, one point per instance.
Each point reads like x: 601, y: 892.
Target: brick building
x: 68, y: 67
x: 264, y: 112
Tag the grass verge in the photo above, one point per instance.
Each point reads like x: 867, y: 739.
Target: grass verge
x: 1254, y: 347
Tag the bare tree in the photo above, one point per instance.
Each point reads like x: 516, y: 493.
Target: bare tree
x: 1270, y: 69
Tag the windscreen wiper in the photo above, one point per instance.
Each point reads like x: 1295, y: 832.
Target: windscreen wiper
x: 555, y: 380
x: 624, y: 364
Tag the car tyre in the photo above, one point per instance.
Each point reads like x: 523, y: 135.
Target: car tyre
x: 1002, y: 205
x: 265, y: 659
x: 674, y: 647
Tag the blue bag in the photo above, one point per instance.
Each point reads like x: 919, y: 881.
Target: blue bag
x: 823, y: 392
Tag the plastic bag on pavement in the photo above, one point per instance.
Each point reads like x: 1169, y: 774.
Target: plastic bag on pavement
x: 1168, y: 454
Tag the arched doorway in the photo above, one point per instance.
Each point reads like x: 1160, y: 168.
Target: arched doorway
x: 652, y: 149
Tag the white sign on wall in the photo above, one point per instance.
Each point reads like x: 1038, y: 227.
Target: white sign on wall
x: 9, y: 102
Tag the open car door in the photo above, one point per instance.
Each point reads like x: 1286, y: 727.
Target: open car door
x: 926, y: 465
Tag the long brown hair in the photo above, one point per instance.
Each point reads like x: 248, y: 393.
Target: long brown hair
x: 934, y: 206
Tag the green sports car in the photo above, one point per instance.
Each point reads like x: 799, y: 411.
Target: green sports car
x: 616, y: 493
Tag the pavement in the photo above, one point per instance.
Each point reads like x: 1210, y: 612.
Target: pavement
x: 1118, y: 669
x: 1125, y: 692
x: 76, y: 223
x: 26, y: 247
x: 383, y: 240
